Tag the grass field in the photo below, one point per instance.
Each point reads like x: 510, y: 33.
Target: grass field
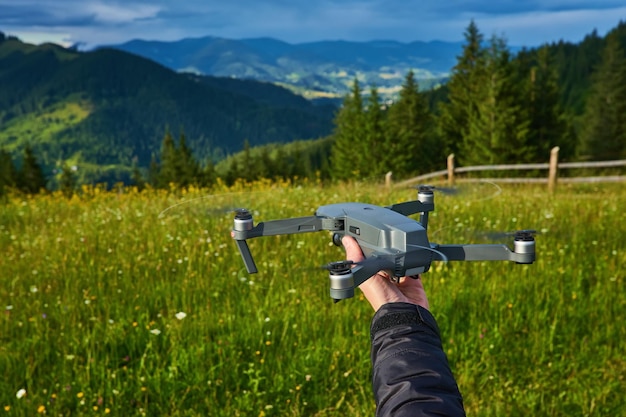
x: 112, y: 306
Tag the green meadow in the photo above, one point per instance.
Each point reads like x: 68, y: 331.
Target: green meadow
x: 135, y: 303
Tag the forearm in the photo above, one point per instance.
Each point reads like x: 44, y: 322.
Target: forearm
x: 411, y: 374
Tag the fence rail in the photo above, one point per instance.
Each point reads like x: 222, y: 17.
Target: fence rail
x: 553, y: 168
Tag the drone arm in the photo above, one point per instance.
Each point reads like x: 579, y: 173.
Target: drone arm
x: 523, y: 253
x: 364, y: 271
x: 288, y: 226
x: 412, y: 207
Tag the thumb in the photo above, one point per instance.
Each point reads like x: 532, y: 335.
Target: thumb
x: 353, y: 250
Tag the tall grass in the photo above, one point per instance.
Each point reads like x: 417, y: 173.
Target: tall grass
x: 111, y: 305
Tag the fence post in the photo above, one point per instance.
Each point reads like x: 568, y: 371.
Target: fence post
x: 388, y: 179
x: 451, y: 170
x: 553, y: 171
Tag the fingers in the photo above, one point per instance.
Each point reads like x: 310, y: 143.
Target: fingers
x: 379, y: 289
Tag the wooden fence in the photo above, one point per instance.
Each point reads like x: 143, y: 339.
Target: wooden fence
x: 552, y: 178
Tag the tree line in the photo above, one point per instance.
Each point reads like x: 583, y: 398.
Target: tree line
x: 494, y: 109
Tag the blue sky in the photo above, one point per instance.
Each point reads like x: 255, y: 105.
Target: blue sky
x: 100, y: 22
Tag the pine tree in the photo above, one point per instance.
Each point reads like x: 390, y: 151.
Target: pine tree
x: 168, y: 169
x: 463, y: 92
x: 187, y: 168
x: 604, y: 133
x: 498, y: 124
x: 374, y: 160
x: 31, y: 179
x: 154, y: 173
x: 548, y: 125
x: 8, y: 172
x: 349, y: 132
x: 208, y: 175
x: 409, y: 140
x: 248, y: 167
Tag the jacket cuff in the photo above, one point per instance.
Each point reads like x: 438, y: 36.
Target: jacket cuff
x: 398, y: 314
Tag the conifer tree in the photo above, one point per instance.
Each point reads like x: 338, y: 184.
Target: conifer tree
x: 604, y: 132
x: 168, y: 169
x: 233, y: 172
x: 463, y: 92
x: 281, y: 165
x: 154, y: 173
x: 31, y: 179
x: 409, y: 140
x: 349, y: 132
x: 498, y: 124
x: 248, y: 167
x: 374, y: 159
x: 208, y: 175
x: 8, y: 172
x: 548, y: 125
x: 188, y: 169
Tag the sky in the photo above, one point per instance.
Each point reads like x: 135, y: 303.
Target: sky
x: 106, y: 22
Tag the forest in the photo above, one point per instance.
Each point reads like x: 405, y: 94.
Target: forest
x: 495, y: 108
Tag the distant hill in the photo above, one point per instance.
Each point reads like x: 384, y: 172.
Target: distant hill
x: 107, y: 110
x: 315, y: 69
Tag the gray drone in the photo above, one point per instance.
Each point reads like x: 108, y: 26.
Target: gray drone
x: 390, y: 240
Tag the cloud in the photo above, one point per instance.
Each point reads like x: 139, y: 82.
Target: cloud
x: 98, y: 22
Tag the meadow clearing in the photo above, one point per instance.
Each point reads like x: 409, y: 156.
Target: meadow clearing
x: 111, y: 305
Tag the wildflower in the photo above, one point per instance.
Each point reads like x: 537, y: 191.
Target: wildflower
x: 181, y: 315
x: 155, y: 332
x: 20, y: 393
x: 80, y: 395
x: 41, y: 409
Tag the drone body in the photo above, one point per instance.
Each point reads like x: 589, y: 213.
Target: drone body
x: 390, y: 240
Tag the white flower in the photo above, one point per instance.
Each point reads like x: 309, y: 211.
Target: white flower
x: 181, y: 315
x: 20, y: 393
x: 155, y: 332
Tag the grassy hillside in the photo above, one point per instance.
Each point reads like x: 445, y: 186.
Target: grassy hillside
x: 113, y: 305
x: 108, y: 108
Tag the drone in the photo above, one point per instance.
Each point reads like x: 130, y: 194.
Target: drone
x: 390, y: 240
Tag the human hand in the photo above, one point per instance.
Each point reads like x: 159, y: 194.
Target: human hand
x: 379, y: 289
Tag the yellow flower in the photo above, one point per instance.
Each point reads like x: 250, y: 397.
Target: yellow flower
x: 80, y: 395
x: 41, y: 409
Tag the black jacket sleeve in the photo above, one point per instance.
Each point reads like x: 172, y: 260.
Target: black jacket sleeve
x: 411, y: 374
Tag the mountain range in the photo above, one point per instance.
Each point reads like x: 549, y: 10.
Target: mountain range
x: 107, y: 110
x: 315, y: 70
